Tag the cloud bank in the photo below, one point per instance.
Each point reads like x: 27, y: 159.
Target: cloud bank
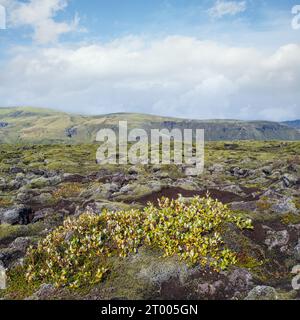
x: 176, y: 75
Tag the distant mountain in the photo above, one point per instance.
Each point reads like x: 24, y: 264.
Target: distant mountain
x: 32, y: 125
x: 293, y: 124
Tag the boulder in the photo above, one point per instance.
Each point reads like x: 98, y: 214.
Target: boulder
x: 289, y: 180
x: 276, y: 238
x: 156, y: 168
x: 3, y: 124
x: 133, y: 170
x: 127, y: 188
x: 45, y: 292
x: 209, y: 290
x: 216, y: 168
x: 10, y: 257
x: 267, y: 170
x: 14, y: 185
x: 262, y: 293
x: 20, y: 244
x: 42, y: 199
x: 71, y: 132
x: 43, y: 182
x: 10, y: 216
x: 244, y: 206
x: 240, y: 173
x: 42, y: 214
x: 24, y: 196
x: 16, y: 170
x: 284, y: 205
x: 240, y: 280
x: 297, y: 251
x: 16, y: 215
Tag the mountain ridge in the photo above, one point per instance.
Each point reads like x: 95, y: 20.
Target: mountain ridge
x: 39, y: 125
x: 293, y: 124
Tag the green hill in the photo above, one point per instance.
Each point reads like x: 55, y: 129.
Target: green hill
x: 37, y: 125
x: 293, y: 124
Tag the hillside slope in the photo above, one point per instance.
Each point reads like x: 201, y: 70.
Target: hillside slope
x: 33, y: 125
x: 293, y: 124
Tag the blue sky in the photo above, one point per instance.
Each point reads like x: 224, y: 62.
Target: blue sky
x: 108, y: 19
x: 188, y: 58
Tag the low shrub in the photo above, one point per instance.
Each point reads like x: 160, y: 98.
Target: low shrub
x: 77, y: 253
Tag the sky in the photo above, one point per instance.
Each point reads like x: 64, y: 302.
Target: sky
x: 184, y: 58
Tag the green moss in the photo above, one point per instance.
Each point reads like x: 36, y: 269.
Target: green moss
x: 249, y: 262
x: 12, y: 232
x: 290, y: 218
x: 125, y: 280
x: 5, y: 201
x: 287, y: 295
x: 297, y: 203
x: 264, y: 204
x: 18, y: 288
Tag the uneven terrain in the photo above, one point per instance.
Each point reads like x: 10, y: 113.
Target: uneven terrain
x: 41, y: 185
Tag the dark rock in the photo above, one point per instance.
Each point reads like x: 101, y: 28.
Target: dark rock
x: 3, y: 124
x: 293, y: 168
x: 25, y: 215
x: 37, y: 172
x: 20, y: 244
x: 68, y: 177
x: 289, y: 180
x: 16, y: 215
x: 240, y: 173
x: 9, y: 257
x: 267, y: 171
x: 156, y: 168
x: 133, y: 171
x: 15, y: 170
x: 209, y: 290
x: 231, y: 146
x: 71, y: 132
x: 42, y: 214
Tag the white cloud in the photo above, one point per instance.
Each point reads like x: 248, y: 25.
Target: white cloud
x: 40, y: 16
x: 223, y: 8
x: 2, y: 17
x: 175, y: 76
